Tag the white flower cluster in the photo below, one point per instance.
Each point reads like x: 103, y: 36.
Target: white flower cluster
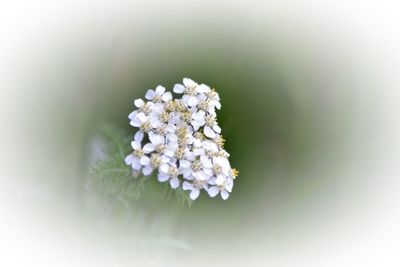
x: 182, y: 140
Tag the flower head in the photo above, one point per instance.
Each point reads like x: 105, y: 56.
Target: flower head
x: 183, y: 140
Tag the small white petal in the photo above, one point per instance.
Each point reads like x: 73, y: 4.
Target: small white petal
x: 208, y: 171
x: 135, y: 123
x: 148, y: 148
x: 166, y: 97
x: 135, y: 145
x: 211, y: 181
x: 164, y: 159
x: 174, y: 182
x: 201, y: 176
x: 202, y: 88
x: 156, y: 139
x: 195, y: 125
x: 194, y: 194
x: 199, y: 151
x: 139, y: 137
x: 147, y: 170
x: 139, y: 103
x: 129, y: 159
x: 213, y: 191
x: 141, y: 117
x: 187, y: 174
x: 217, y: 104
x: 190, y: 155
x: 184, y: 164
x: 197, y: 142
x: 132, y: 115
x: 216, y: 128
x: 192, y: 101
x: 150, y: 94
x: 209, y: 132
x: 164, y: 168
x: 189, y: 82
x: 220, y: 180
x: 179, y: 88
x: 162, y: 177
x: 158, y: 108
x: 155, y: 122
x: 169, y: 151
x: 170, y: 128
x: 187, y: 186
x: 136, y: 164
x: 189, y: 178
x: 160, y: 90
x: 224, y: 195
x: 144, y: 161
x: 229, y: 185
x: 206, y: 162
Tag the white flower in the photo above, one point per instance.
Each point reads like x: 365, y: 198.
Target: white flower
x: 198, y: 119
x: 158, y: 143
x: 190, y: 100
x: 211, y: 129
x: 194, y: 188
x: 158, y: 95
x: 223, y: 187
x: 134, y: 158
x: 169, y: 172
x: 155, y: 161
x: 221, y: 167
x: 190, y: 89
x: 141, y: 121
x: 214, y: 100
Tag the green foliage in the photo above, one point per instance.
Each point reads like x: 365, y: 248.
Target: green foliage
x: 181, y: 196
x: 116, y: 178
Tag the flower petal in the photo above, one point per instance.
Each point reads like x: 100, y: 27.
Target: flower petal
x: 129, y: 159
x: 147, y: 170
x: 216, y: 128
x: 135, y: 122
x: 167, y: 96
x: 160, y: 90
x: 156, y: 139
x: 213, y: 191
x: 206, y: 162
x: 139, y: 136
x: 139, y: 103
x: 162, y: 177
x: 179, y: 88
x: 187, y: 186
x: 132, y: 115
x: 144, y: 160
x: 192, y: 101
x: 150, y: 94
x: 141, y: 117
x: 136, y: 164
x: 209, y: 132
x: 189, y: 82
x: 224, y: 195
x: 164, y: 168
x: 202, y: 88
x: 135, y: 145
x: 174, y: 182
x: 220, y: 180
x: 148, y: 148
x: 194, y: 194
x: 184, y: 164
